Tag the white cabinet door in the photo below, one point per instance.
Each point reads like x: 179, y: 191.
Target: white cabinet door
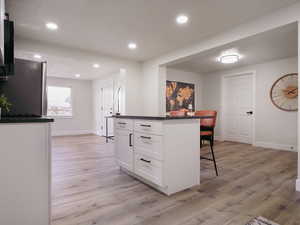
x: 25, y: 174
x: 124, y: 149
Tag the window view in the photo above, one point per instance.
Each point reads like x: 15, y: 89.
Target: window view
x: 59, y: 101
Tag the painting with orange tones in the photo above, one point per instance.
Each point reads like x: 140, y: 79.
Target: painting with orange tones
x: 179, y: 96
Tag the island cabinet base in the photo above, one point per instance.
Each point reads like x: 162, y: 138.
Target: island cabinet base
x: 164, y: 154
x: 25, y: 174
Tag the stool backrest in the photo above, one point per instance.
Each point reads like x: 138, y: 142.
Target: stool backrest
x: 177, y: 113
x: 209, y: 122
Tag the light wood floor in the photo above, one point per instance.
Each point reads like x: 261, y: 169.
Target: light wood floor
x: 89, y: 188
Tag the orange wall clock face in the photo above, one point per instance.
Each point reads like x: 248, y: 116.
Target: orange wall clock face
x: 284, y: 92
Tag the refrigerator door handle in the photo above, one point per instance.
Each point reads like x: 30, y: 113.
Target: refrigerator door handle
x: 44, y: 89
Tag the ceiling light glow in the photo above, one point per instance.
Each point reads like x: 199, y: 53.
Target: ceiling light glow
x: 37, y: 56
x: 96, y: 65
x: 182, y: 19
x: 229, y: 59
x: 132, y: 45
x: 77, y: 75
x: 52, y: 26
x: 229, y: 56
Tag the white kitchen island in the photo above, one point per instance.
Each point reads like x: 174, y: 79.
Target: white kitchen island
x: 25, y: 172
x: 163, y: 152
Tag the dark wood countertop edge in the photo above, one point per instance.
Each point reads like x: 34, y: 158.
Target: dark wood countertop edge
x: 26, y: 120
x: 161, y: 117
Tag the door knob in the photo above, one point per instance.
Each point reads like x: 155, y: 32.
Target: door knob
x: 250, y: 113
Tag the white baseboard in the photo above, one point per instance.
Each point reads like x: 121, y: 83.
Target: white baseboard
x: 71, y: 132
x: 285, y: 147
x: 298, y: 185
x: 97, y: 133
x: 219, y: 138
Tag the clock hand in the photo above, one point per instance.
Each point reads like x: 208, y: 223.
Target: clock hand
x: 292, y: 91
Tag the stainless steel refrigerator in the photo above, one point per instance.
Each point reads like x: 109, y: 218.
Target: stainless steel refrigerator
x: 26, y: 89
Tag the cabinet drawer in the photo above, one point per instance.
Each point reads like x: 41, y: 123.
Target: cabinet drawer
x: 149, y: 144
x: 153, y: 127
x: 124, y: 124
x: 149, y: 168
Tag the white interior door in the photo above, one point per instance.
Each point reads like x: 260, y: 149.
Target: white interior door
x: 107, y: 110
x: 238, y: 111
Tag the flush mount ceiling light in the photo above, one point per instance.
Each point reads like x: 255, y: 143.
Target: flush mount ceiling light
x: 96, y: 65
x: 77, y: 75
x: 37, y: 56
x: 229, y: 59
x: 132, y: 45
x: 52, y: 26
x: 229, y: 56
x: 182, y: 19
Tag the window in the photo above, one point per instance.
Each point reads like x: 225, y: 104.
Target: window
x: 59, y: 101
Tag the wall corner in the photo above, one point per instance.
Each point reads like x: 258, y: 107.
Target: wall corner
x: 298, y: 185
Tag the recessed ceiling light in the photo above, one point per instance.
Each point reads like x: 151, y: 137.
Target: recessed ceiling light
x: 96, y: 65
x: 77, y: 75
x: 37, y: 56
x: 132, y: 45
x: 229, y: 59
x: 52, y: 26
x: 123, y: 70
x: 182, y: 19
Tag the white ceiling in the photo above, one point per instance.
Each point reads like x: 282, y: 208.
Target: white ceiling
x: 66, y: 62
x: 272, y: 45
x: 106, y: 26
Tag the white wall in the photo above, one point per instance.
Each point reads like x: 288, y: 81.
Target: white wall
x: 274, y: 128
x: 153, y: 92
x: 82, y: 103
x: 188, y: 77
x: 298, y: 180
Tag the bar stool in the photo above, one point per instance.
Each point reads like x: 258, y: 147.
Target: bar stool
x: 177, y: 113
x: 207, y: 127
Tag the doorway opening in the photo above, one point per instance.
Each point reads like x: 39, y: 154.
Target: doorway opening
x: 106, y: 105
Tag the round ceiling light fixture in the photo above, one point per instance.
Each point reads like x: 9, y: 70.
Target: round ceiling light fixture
x: 77, y: 75
x: 96, y: 65
x: 52, y: 26
x: 229, y: 59
x: 132, y: 45
x: 182, y: 19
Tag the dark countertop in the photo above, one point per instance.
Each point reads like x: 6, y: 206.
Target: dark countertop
x: 26, y: 120
x: 161, y: 117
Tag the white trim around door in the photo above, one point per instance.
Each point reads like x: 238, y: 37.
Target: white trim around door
x: 223, y: 102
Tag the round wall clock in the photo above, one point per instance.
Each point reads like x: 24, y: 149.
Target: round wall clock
x: 284, y: 92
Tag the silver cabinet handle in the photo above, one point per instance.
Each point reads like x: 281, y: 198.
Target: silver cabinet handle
x: 144, y: 137
x: 144, y: 160
x: 130, y: 140
x: 145, y: 125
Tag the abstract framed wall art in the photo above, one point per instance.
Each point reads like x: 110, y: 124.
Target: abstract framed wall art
x: 180, y: 96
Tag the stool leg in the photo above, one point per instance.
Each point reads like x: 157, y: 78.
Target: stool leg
x: 213, y: 155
